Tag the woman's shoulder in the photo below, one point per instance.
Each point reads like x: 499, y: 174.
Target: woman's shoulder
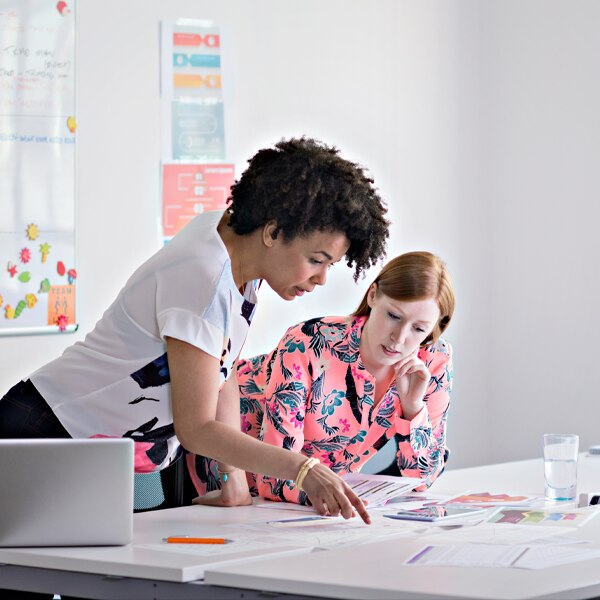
x: 440, y: 350
x: 319, y: 325
x: 196, y: 256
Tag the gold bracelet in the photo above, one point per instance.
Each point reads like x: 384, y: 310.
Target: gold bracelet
x: 304, y: 469
x: 224, y: 475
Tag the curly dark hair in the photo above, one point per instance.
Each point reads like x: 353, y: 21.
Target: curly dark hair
x: 305, y: 186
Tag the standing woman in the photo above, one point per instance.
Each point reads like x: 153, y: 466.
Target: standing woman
x: 157, y: 366
x: 337, y: 388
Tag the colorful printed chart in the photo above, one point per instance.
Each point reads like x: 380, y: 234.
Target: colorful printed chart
x: 194, y: 176
x: 191, y: 189
x: 37, y: 167
x: 547, y: 516
x: 193, y: 127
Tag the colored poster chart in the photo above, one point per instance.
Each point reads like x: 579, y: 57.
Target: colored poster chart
x: 192, y: 94
x: 197, y: 130
x: 37, y: 167
x: 549, y: 516
x: 189, y: 190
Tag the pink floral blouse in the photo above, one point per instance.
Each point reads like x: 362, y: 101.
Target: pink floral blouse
x: 313, y: 395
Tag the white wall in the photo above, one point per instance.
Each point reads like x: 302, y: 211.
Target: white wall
x: 454, y: 106
x: 542, y: 97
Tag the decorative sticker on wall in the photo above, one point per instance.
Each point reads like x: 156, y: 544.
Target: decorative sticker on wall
x: 61, y: 305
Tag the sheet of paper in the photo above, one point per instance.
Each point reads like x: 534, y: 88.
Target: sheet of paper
x: 521, y: 557
x: 471, y: 555
x: 489, y: 533
x: 323, y: 532
x: 542, y: 516
x: 416, y: 500
x: 309, y: 521
x: 378, y: 490
x: 560, y: 540
x: 491, y: 499
x: 411, y: 500
x: 542, y: 557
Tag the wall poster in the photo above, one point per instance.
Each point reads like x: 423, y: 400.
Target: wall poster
x: 37, y: 167
x: 195, y: 176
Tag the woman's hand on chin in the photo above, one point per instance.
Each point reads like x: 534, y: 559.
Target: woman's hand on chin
x: 412, y: 379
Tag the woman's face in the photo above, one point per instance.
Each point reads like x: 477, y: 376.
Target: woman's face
x: 296, y: 267
x: 396, y: 328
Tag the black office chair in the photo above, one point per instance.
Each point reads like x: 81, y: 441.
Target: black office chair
x: 169, y: 488
x: 392, y: 469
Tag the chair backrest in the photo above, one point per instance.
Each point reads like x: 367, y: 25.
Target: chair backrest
x: 383, y: 459
x: 168, y: 488
x: 148, y: 491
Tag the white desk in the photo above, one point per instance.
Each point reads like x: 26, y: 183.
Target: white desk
x: 368, y: 571
x: 375, y: 571
x: 134, y: 571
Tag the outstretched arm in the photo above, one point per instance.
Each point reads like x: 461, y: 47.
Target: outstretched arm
x: 234, y: 486
x: 195, y: 398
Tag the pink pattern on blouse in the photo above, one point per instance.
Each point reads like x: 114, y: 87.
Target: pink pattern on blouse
x: 313, y: 395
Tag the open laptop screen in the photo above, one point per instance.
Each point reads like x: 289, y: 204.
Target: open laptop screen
x: 66, y: 492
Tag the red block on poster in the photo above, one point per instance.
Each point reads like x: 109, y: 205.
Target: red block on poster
x: 189, y: 190
x: 211, y: 40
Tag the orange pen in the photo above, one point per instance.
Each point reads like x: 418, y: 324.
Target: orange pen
x: 195, y: 540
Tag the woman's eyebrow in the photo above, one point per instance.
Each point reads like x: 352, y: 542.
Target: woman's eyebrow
x: 423, y: 322
x: 403, y: 314
x: 325, y: 254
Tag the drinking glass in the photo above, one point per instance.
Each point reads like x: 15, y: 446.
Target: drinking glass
x: 560, y: 465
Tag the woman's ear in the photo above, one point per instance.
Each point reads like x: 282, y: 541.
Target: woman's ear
x: 270, y: 233
x: 371, y: 294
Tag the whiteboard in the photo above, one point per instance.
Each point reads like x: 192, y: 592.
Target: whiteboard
x: 38, y: 275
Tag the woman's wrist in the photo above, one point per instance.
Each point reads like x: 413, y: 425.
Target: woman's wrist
x: 225, y: 471
x: 412, y: 409
x: 293, y: 465
x: 307, y: 465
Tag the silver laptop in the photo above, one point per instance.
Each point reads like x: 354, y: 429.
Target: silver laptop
x: 66, y: 492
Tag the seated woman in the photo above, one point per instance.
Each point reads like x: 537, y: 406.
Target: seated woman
x: 337, y: 388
